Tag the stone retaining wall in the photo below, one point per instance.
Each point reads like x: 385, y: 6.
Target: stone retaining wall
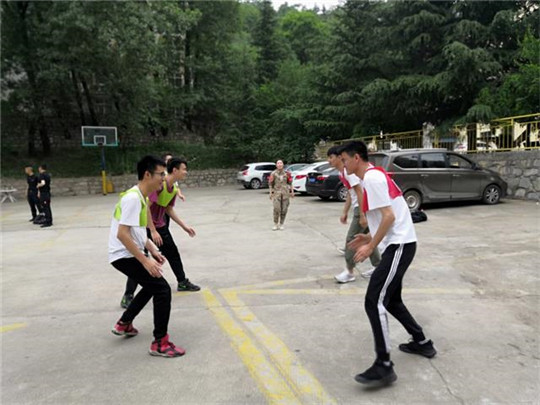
x: 92, y: 185
x: 520, y: 169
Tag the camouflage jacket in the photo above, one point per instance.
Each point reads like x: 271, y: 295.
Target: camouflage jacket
x: 280, y: 183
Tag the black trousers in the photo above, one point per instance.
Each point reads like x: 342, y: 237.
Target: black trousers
x: 45, y: 202
x: 156, y: 288
x: 384, y: 295
x: 33, y: 202
x: 170, y: 251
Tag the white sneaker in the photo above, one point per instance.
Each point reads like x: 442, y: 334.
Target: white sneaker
x: 281, y: 227
x: 341, y: 250
x: 368, y: 273
x: 345, y: 277
x: 275, y: 228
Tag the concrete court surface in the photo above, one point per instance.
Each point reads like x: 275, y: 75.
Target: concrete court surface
x: 271, y: 325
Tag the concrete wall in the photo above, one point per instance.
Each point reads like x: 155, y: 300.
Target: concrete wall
x: 520, y: 169
x: 92, y: 185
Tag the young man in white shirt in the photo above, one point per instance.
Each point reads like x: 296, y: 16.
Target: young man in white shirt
x: 127, y: 242
x: 392, y: 231
x: 358, y: 222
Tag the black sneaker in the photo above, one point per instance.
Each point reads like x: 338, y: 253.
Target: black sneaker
x: 187, y: 286
x: 126, y: 300
x: 378, y: 375
x: 46, y: 225
x: 426, y: 349
x: 32, y: 219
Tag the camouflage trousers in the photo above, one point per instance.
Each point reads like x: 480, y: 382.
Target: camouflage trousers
x: 281, y: 205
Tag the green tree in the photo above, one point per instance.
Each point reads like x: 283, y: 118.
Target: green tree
x: 265, y: 39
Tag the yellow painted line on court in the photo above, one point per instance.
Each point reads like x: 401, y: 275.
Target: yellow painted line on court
x: 352, y: 291
x: 8, y: 328
x: 277, y: 283
x: 307, y: 387
x: 270, y: 382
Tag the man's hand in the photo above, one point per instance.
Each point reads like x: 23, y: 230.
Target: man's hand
x: 363, y: 252
x: 181, y: 196
x: 190, y: 231
x: 156, y: 238
x: 292, y: 194
x: 363, y: 221
x: 360, y: 239
x: 153, y: 267
x: 271, y: 195
x: 158, y: 257
x: 343, y: 219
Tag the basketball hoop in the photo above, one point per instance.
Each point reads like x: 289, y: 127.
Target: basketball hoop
x: 100, y: 137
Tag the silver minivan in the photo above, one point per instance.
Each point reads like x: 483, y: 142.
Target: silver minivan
x: 437, y: 175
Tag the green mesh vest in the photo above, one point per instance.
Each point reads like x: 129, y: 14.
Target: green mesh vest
x: 143, y: 216
x: 165, y: 196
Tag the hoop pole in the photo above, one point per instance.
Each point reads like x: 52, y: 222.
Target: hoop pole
x: 103, y: 172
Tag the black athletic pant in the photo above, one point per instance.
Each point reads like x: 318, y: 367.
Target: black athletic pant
x: 170, y: 251
x: 45, y: 201
x: 384, y: 294
x: 152, y: 287
x: 33, y: 202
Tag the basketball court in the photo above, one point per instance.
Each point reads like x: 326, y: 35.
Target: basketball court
x: 270, y: 325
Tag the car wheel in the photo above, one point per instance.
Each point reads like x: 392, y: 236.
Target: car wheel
x: 492, y: 194
x: 255, y: 184
x: 413, y: 199
x: 341, y: 194
x: 324, y: 198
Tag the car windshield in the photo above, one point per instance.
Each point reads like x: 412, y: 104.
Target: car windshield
x: 295, y: 167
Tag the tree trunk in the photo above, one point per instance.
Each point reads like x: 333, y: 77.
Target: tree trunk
x: 90, y: 103
x: 31, y: 140
x: 78, y: 97
x: 44, y: 135
x: 37, y: 101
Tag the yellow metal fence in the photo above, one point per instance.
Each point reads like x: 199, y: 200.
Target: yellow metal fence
x: 502, y: 134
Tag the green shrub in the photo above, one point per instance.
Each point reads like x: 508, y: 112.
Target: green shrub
x: 81, y: 162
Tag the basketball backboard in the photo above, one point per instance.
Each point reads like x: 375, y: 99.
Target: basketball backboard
x: 99, y: 136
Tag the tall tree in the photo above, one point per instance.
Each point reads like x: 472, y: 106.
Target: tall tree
x: 265, y: 39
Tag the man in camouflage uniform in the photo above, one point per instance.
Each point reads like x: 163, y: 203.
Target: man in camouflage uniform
x: 281, y: 190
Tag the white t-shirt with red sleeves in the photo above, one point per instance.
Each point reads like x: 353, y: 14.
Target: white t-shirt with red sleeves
x: 377, y: 196
x: 350, y: 181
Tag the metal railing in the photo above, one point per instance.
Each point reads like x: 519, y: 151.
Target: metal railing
x: 502, y: 134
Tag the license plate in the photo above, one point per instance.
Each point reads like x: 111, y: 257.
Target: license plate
x: 312, y: 179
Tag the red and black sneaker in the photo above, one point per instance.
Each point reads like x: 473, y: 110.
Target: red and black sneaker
x: 124, y: 329
x: 162, y: 347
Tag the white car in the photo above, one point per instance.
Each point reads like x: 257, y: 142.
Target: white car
x: 299, y: 177
x: 294, y: 167
x: 253, y: 176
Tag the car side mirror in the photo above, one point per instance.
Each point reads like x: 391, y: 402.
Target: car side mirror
x: 475, y: 166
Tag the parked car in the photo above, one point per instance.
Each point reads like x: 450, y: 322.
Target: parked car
x: 299, y: 177
x: 251, y: 175
x: 326, y: 185
x: 294, y: 167
x: 437, y: 175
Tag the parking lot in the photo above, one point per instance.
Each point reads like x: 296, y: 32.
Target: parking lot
x: 270, y: 325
